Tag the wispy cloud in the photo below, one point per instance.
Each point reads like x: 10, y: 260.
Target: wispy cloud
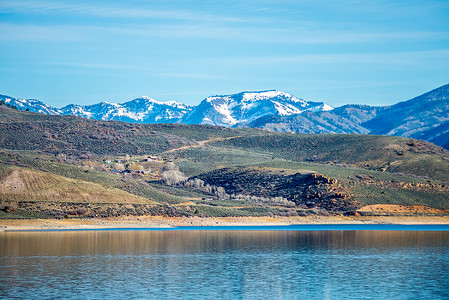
x: 99, y: 66
x: 255, y: 22
x: 389, y: 58
x: 336, y: 84
x: 21, y: 32
x: 48, y: 7
x: 387, y: 7
x: 63, y: 33
x: 190, y: 75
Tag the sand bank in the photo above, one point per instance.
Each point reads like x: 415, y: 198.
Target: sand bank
x: 161, y: 222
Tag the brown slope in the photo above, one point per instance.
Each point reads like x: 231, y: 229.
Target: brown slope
x: 22, y: 184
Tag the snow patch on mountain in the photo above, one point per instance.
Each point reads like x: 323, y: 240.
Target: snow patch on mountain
x: 140, y: 110
x: 30, y: 104
x: 76, y: 110
x: 243, y: 108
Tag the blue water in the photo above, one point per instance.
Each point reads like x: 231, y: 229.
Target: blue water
x: 321, y: 263
x: 301, y: 227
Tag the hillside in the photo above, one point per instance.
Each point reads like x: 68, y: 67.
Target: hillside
x: 380, y: 153
x: 80, y: 137
x: 67, y: 166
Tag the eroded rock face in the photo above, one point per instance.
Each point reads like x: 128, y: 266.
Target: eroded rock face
x: 309, y: 189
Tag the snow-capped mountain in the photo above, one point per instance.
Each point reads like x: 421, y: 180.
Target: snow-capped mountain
x: 243, y: 108
x: 30, y: 104
x: 140, y: 110
x: 424, y: 117
x: 230, y: 111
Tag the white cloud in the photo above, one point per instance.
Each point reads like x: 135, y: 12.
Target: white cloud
x: 189, y: 75
x: 128, y: 12
x: 63, y: 33
x: 388, y: 58
x: 99, y: 66
x: 19, y: 32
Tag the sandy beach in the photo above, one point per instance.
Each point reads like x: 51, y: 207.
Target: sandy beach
x: 161, y: 222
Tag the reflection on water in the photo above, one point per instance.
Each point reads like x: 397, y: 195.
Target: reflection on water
x: 225, y: 264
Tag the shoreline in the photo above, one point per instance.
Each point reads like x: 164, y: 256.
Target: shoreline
x: 142, y: 222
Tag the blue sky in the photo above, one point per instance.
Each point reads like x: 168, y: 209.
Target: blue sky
x: 372, y: 52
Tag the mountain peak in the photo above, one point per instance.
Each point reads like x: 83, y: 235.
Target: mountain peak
x: 243, y: 108
x: 150, y: 101
x: 256, y: 95
x: 261, y: 95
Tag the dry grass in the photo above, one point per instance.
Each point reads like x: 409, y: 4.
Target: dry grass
x: 23, y: 184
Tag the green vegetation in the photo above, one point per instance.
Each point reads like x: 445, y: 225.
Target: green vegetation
x: 380, y: 153
x: 195, y: 161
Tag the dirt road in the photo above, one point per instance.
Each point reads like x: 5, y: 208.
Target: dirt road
x: 202, y: 143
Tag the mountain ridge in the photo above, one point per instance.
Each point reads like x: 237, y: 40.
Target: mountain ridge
x: 148, y: 110
x: 422, y: 117
x: 409, y: 115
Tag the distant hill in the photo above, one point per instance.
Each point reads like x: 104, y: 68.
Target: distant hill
x: 343, y: 119
x: 425, y: 117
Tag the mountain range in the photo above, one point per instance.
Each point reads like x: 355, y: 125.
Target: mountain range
x: 424, y: 117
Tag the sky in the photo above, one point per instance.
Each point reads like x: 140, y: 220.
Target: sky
x: 375, y: 52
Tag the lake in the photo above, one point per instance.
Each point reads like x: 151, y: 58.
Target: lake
x: 287, y: 263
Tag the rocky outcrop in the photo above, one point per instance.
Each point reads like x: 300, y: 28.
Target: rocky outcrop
x: 307, y: 190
